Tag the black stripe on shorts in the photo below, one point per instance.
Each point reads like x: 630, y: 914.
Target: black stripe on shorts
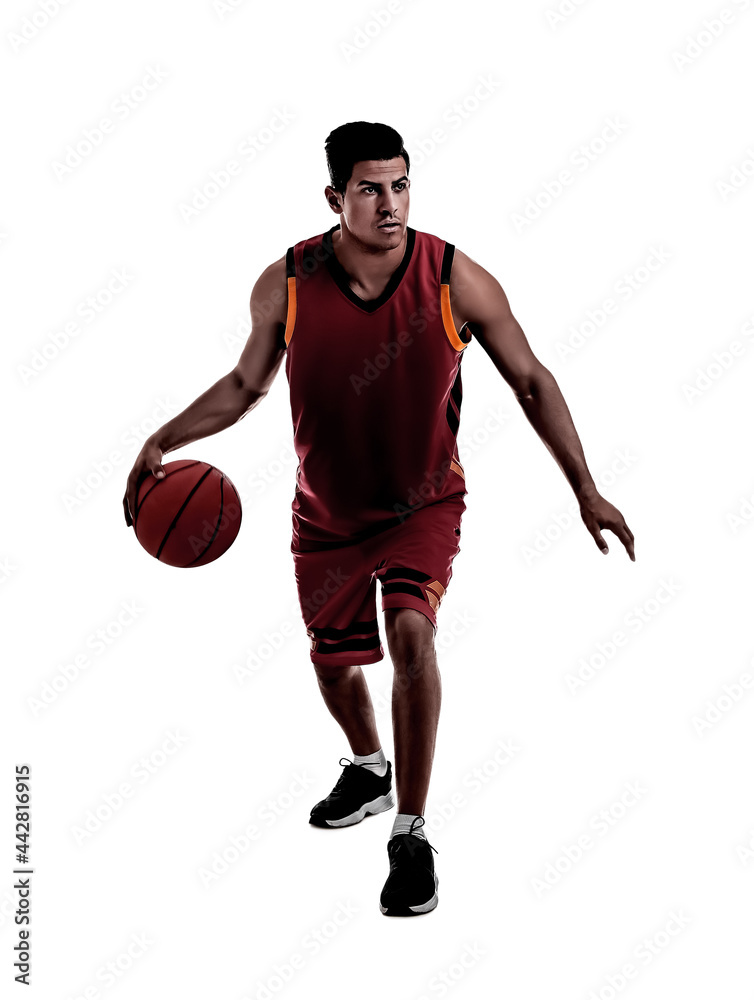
x: 401, y: 573
x: 347, y: 645
x: 355, y: 628
x: 403, y: 588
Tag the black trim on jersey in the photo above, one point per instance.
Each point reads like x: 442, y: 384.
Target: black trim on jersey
x: 447, y: 263
x: 341, y: 278
x: 456, y: 393
x: 453, y: 418
x: 453, y: 412
x: 290, y: 272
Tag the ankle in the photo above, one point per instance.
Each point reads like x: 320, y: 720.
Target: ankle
x: 376, y: 762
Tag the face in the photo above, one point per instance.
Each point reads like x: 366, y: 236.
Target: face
x: 377, y: 192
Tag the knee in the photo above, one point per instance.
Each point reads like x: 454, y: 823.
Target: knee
x: 329, y: 675
x: 410, y: 635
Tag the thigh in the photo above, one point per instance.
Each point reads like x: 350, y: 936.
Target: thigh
x: 337, y: 596
x: 416, y: 557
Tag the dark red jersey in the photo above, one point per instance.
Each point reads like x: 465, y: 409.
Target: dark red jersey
x: 375, y: 391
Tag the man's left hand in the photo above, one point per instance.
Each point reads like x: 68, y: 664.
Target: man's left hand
x: 596, y: 513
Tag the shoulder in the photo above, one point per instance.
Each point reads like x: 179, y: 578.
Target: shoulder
x: 465, y: 270
x: 475, y: 292
x: 269, y: 296
x: 274, y: 271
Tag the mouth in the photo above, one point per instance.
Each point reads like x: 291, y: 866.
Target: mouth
x: 390, y: 226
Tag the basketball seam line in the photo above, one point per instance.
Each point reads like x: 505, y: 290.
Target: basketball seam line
x: 167, y: 475
x: 180, y: 511
x: 217, y: 527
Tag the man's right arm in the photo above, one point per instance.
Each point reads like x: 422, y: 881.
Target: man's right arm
x: 232, y: 396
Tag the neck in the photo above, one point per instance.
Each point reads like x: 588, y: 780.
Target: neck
x: 367, y: 265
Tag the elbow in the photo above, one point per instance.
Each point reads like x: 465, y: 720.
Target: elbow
x: 529, y: 387
x: 247, y: 396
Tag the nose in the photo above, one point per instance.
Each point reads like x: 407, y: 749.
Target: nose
x: 388, y: 203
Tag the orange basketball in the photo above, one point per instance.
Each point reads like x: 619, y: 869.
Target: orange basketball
x: 190, y: 517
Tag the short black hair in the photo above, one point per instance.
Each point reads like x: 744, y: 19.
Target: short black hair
x: 355, y: 141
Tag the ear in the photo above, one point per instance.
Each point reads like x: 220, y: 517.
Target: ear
x: 333, y: 200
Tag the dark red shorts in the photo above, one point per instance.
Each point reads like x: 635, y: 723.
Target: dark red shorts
x: 337, y: 587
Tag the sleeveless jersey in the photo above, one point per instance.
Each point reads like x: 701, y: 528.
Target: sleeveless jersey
x: 375, y: 388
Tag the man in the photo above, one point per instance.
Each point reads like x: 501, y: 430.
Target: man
x: 372, y: 319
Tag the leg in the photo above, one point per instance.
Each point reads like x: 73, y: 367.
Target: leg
x: 416, y: 704
x: 347, y: 696
x: 336, y: 589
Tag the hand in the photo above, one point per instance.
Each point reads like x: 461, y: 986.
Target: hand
x: 596, y: 513
x: 148, y: 461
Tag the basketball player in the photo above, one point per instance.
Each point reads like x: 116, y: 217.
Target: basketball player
x: 372, y: 319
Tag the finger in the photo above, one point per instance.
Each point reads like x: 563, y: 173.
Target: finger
x: 624, y: 533
x: 590, y: 522
x: 132, y: 492
x: 597, y: 534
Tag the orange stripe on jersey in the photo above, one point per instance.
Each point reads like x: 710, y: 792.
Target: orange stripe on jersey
x: 447, y: 319
x: 290, y: 320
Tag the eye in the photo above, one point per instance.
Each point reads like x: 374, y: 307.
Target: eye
x: 398, y: 187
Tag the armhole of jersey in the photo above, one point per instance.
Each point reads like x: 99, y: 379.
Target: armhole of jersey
x: 290, y: 277
x: 456, y: 339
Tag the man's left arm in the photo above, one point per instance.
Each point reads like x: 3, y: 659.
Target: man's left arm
x: 478, y: 299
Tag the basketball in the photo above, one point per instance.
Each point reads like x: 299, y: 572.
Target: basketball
x: 189, y: 517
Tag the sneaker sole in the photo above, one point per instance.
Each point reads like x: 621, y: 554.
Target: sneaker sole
x: 381, y: 804
x: 410, y: 911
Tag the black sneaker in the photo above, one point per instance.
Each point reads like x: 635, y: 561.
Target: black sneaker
x: 411, y: 886
x: 358, y: 791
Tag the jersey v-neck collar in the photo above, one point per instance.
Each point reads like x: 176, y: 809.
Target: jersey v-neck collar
x: 340, y: 274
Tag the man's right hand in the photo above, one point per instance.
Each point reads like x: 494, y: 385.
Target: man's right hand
x: 148, y: 462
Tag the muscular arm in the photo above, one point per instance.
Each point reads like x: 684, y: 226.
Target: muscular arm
x: 238, y: 392
x: 478, y: 299
x: 232, y: 396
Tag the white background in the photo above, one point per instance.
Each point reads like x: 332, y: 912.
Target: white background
x: 532, y: 597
